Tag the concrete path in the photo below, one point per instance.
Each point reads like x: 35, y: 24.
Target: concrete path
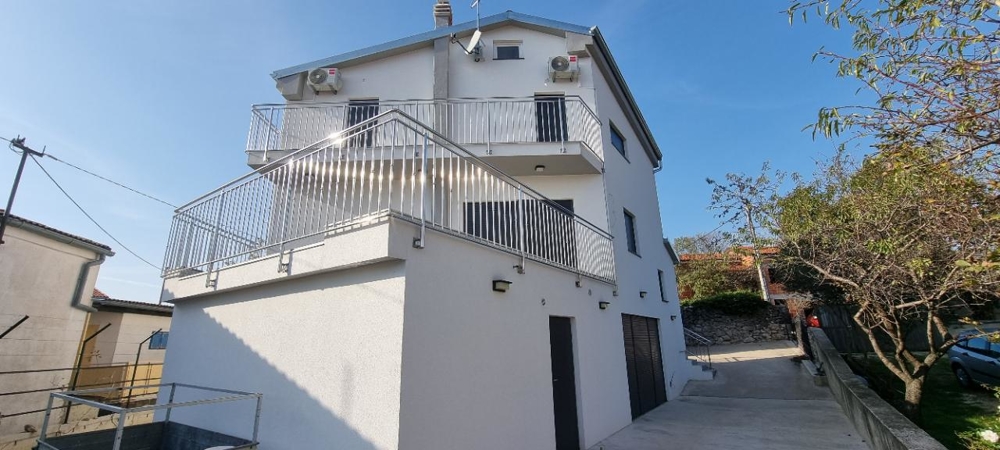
x: 760, y: 399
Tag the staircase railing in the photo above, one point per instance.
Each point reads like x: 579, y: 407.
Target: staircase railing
x: 388, y: 165
x: 698, y: 347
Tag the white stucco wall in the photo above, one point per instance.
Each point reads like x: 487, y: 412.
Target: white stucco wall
x: 401, y: 77
x: 631, y: 185
x: 325, y: 351
x: 37, y: 278
x: 103, y: 351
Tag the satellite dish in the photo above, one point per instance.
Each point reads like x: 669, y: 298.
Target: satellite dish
x: 559, y: 63
x: 474, y: 42
x: 318, y: 76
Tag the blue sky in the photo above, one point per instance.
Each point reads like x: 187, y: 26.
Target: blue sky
x: 156, y: 95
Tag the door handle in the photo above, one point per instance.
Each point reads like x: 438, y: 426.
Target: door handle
x: 555, y: 379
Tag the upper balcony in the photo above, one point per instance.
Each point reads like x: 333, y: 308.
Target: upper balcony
x: 515, y: 135
x: 389, y: 168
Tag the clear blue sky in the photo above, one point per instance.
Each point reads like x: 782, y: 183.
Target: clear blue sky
x: 156, y: 95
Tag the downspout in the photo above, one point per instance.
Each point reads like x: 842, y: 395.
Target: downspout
x: 81, y: 282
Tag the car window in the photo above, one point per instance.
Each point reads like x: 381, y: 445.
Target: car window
x: 979, y: 345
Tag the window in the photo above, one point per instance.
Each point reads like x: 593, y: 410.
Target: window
x: 507, y: 50
x: 617, y: 141
x: 630, y: 232
x: 359, y: 111
x: 159, y: 341
x: 550, y: 118
x: 663, y: 293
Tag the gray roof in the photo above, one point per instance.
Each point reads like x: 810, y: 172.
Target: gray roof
x: 57, y: 234
x: 430, y: 36
x: 118, y: 305
x: 508, y: 17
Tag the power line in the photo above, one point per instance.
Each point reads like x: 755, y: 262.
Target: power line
x: 113, y: 182
x: 81, y: 169
x: 89, y: 216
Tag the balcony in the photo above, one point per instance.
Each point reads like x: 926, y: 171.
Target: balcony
x: 390, y: 166
x: 513, y: 134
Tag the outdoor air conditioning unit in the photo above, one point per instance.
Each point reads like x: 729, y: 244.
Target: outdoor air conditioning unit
x: 325, y: 79
x: 563, y: 67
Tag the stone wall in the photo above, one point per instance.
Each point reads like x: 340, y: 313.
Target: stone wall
x: 772, y: 324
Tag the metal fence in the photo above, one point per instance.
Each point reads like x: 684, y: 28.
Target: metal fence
x: 391, y: 164
x: 284, y: 127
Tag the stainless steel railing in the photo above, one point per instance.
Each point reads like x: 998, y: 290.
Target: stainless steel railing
x: 698, y: 347
x: 389, y: 165
x: 285, y: 127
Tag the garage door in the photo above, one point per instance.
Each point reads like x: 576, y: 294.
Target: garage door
x: 643, y: 363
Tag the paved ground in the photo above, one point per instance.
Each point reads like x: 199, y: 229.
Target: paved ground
x: 760, y: 399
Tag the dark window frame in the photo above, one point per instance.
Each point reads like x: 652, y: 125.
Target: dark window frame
x: 663, y: 292
x: 616, y: 132
x: 631, y: 237
x: 497, y: 45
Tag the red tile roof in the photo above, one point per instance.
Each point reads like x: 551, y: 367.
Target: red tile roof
x: 99, y: 294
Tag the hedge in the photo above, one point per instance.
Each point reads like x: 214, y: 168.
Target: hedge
x: 741, y: 303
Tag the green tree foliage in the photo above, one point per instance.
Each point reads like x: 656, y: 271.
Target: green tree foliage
x: 901, y: 235
x: 933, y: 68
x: 739, y: 303
x: 712, y: 268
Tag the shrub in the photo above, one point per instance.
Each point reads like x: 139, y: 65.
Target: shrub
x: 740, y: 303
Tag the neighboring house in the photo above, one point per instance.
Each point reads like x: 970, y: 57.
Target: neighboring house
x: 480, y: 268
x: 46, y: 277
x: 741, y: 261
x: 132, y: 323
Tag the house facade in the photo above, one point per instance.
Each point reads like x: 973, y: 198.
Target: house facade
x: 46, y: 277
x: 137, y: 330
x: 442, y: 245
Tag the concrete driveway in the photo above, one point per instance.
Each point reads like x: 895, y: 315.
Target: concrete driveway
x: 760, y: 399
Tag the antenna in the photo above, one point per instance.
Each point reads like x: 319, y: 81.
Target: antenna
x: 475, y: 4
x: 474, y: 42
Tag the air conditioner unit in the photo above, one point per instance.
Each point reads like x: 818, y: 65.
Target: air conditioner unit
x: 325, y: 79
x: 563, y: 67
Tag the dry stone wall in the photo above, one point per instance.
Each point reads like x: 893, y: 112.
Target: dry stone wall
x: 772, y: 324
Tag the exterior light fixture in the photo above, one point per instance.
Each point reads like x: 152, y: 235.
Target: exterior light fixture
x: 539, y: 168
x: 501, y: 285
x: 642, y: 294
x: 673, y: 317
x: 603, y: 305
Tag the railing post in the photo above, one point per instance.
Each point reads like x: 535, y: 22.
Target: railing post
x: 170, y: 401
x: 213, y: 247
x: 489, y: 130
x: 120, y: 431
x: 256, y: 418
x: 45, y: 421
x: 267, y: 134
x: 418, y: 242
x: 520, y: 228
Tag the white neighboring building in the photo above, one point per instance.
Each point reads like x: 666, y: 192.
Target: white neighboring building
x: 46, y: 278
x: 479, y: 268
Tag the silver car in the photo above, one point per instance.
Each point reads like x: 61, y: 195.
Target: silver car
x: 974, y: 360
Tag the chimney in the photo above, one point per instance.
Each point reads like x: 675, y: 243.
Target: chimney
x: 442, y: 14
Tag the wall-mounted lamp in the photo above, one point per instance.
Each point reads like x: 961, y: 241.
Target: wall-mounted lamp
x: 642, y: 294
x: 673, y: 317
x: 501, y: 285
x: 539, y: 168
x: 603, y: 305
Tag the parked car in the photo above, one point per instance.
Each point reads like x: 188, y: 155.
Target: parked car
x: 974, y: 360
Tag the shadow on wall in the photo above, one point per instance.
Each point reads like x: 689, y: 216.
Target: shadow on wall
x: 291, y: 416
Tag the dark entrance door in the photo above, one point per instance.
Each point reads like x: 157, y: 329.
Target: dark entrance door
x: 643, y: 363
x: 550, y: 118
x: 563, y: 383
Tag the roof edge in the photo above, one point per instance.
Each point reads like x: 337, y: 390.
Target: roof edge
x: 428, y: 36
x: 57, y: 235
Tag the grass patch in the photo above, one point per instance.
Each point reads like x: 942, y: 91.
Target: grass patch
x: 946, y: 408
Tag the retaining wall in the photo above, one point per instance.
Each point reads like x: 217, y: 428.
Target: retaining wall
x: 883, y: 426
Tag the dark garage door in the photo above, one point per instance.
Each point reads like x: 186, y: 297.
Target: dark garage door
x: 643, y: 363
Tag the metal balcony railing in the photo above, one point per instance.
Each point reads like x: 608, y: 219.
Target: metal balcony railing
x: 556, y: 119
x: 388, y: 165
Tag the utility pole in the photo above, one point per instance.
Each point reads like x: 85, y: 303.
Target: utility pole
x: 25, y: 152
x: 756, y: 253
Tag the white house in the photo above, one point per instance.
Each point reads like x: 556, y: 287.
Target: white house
x: 442, y: 245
